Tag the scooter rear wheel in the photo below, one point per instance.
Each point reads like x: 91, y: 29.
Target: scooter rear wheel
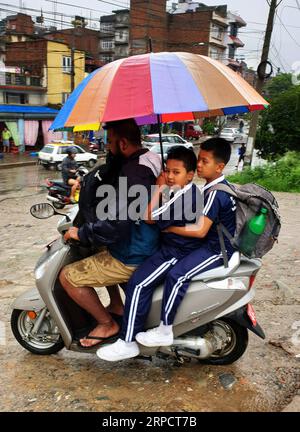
x: 236, y: 343
x: 20, y: 325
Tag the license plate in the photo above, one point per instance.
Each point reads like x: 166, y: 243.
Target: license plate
x: 251, y: 314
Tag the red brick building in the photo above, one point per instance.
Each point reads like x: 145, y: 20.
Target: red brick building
x: 201, y: 31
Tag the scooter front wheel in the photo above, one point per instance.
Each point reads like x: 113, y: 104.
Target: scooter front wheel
x: 46, y: 342
x: 235, y: 342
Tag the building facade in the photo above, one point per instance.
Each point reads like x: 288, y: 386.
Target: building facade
x: 41, y: 72
x: 114, y: 36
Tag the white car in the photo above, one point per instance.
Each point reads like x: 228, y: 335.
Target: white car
x: 230, y: 134
x: 166, y: 147
x: 153, y: 139
x: 52, y: 155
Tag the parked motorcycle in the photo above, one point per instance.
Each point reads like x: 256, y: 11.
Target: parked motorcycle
x: 59, y: 192
x: 211, y: 324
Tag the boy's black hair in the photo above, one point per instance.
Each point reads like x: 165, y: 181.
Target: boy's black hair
x: 220, y: 148
x: 126, y: 128
x: 187, y: 156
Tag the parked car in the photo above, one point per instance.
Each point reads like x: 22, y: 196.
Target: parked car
x: 166, y: 147
x: 153, y: 139
x: 230, y: 134
x: 52, y: 155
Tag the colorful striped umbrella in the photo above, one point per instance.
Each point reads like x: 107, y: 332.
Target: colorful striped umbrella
x: 167, y: 86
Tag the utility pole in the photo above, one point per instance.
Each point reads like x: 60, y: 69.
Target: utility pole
x: 72, y: 69
x: 261, y: 80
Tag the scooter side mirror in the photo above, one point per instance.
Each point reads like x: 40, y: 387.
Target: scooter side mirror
x: 42, y: 211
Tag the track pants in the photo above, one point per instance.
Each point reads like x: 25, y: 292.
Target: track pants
x: 173, y: 268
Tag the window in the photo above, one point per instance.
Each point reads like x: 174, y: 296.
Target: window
x: 215, y: 53
x: 35, y: 81
x: 47, y: 149
x: 64, y: 97
x: 14, y: 79
x: 16, y: 98
x: 106, y: 27
x: 79, y: 149
x: 67, y: 64
x: 62, y: 150
x: 231, y: 52
x: 106, y: 59
x: 233, y: 30
x: 107, y: 44
x: 217, y: 32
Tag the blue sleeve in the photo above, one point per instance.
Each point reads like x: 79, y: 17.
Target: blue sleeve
x: 186, y: 209
x: 213, y: 206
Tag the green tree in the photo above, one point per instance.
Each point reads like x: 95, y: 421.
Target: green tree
x: 279, y: 129
x: 277, y: 85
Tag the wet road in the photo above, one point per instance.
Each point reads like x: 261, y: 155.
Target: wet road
x: 265, y: 379
x: 25, y: 177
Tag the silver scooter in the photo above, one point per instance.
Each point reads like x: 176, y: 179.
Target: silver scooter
x: 211, y: 324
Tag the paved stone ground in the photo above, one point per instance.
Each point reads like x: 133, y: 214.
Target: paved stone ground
x: 266, y: 377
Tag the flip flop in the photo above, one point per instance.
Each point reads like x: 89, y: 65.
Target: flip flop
x: 100, y: 339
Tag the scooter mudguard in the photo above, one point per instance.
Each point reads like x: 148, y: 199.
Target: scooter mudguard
x: 29, y: 300
x: 245, y: 316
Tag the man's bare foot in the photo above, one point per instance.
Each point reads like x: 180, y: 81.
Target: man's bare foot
x: 104, y: 331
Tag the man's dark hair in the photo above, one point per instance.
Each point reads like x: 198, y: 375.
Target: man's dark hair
x: 125, y: 129
x: 220, y: 148
x: 185, y: 155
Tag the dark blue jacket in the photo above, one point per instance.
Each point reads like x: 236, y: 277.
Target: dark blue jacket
x: 129, y: 241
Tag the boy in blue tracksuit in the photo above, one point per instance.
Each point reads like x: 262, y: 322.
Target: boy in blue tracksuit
x: 174, y: 263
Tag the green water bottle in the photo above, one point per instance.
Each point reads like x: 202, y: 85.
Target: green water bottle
x: 252, y: 231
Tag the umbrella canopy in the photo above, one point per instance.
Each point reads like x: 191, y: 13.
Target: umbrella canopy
x: 176, y: 86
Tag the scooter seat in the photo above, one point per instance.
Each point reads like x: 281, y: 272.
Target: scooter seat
x: 221, y: 272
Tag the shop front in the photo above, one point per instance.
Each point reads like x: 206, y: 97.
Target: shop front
x: 28, y: 126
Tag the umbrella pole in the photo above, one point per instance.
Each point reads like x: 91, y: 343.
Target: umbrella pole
x: 160, y: 142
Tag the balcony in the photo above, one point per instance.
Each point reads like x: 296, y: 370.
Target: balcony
x: 18, y: 80
x: 122, y: 21
x: 121, y: 38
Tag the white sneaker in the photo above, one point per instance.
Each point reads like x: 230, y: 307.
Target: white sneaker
x: 155, y: 337
x: 119, y: 350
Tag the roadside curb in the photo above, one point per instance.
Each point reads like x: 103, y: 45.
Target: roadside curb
x: 16, y: 164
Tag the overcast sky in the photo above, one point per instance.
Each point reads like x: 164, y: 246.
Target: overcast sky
x: 285, y: 48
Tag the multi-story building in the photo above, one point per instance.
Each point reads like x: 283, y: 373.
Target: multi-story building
x: 82, y: 39
x: 233, y: 42
x: 43, y: 72
x: 188, y: 26
x: 37, y: 73
x: 114, y: 36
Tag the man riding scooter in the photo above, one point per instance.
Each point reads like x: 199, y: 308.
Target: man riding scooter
x: 69, y: 167
x: 122, y: 244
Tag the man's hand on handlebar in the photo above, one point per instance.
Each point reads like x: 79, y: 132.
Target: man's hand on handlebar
x: 71, y: 234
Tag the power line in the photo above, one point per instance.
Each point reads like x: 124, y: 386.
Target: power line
x: 292, y: 37
x: 183, y: 28
x: 77, y: 6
